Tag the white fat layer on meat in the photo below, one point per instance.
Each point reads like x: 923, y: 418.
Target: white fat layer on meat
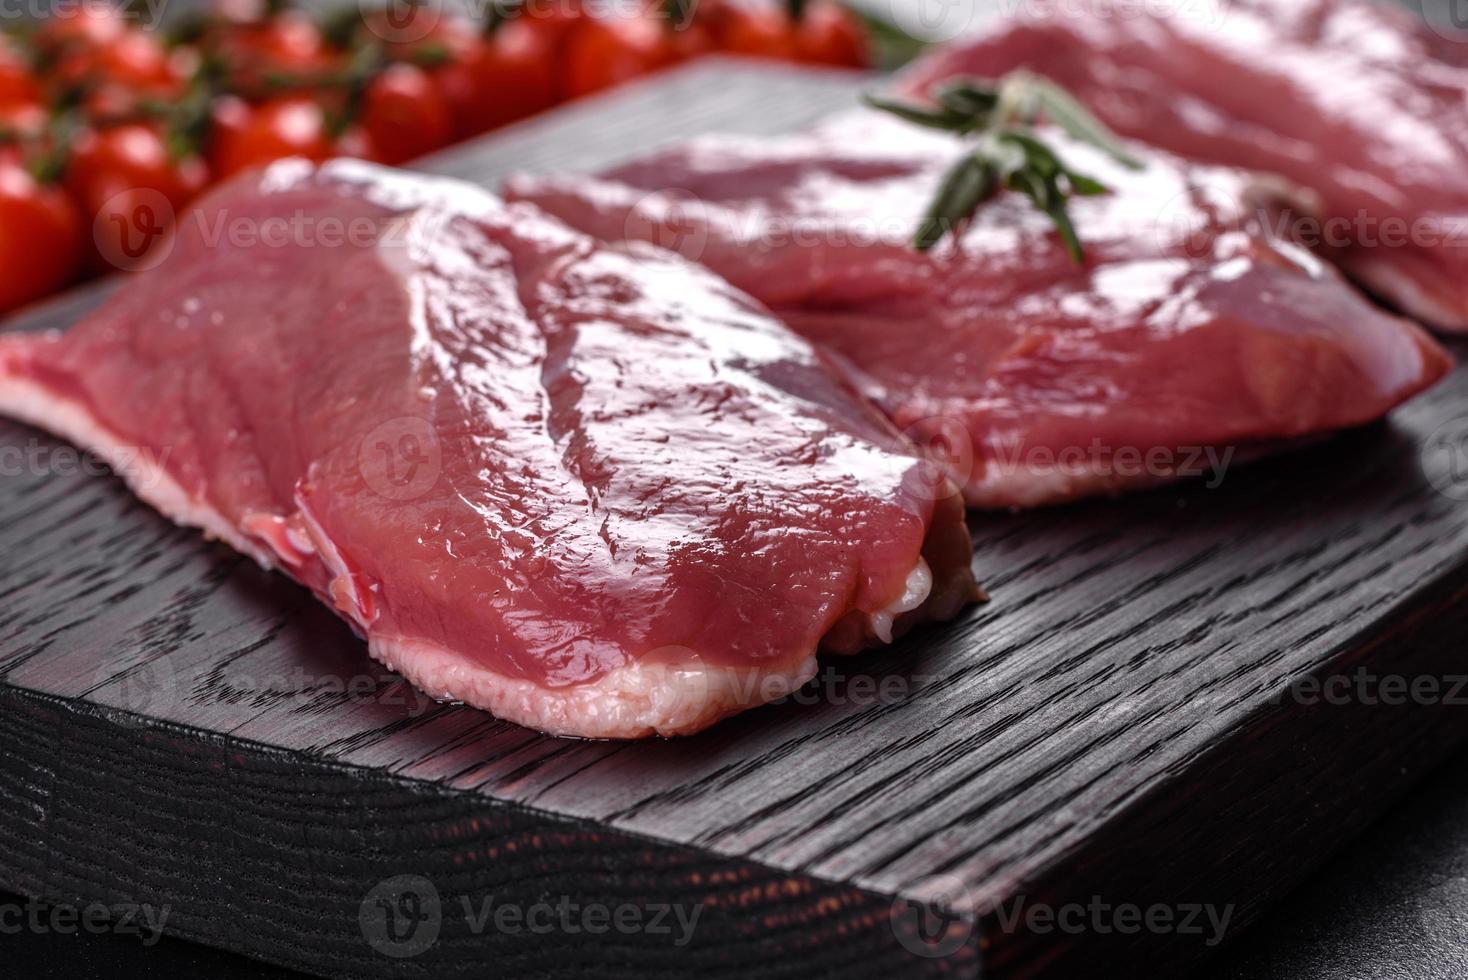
x: 919, y: 586
x: 633, y: 701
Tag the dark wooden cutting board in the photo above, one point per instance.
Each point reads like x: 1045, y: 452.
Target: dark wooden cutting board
x: 184, y: 730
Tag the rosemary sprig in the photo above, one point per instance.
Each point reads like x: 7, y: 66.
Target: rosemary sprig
x: 1007, y: 152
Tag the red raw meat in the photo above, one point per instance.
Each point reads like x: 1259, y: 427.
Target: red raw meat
x: 1361, y: 102
x: 589, y: 488
x: 1188, y: 327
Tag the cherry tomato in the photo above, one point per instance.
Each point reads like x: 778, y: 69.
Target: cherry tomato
x: 688, y: 41
x: 355, y: 143
x: 108, y: 161
x: 553, y: 20
x: 756, y: 30
x: 22, y: 123
x: 405, y: 114
x: 261, y: 55
x: 131, y: 188
x: 116, y: 75
x: 135, y: 58
x: 24, y: 132
x: 40, y: 237
x: 89, y: 25
x: 246, y: 136
x: 829, y: 34
x: 606, y: 51
x: 504, y: 77
x: 18, y: 83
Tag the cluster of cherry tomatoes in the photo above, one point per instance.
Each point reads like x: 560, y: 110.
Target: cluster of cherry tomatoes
x: 100, y: 117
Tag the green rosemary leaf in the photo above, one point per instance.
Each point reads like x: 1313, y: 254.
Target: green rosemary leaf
x: 966, y: 185
x: 1064, y: 111
x: 1007, y: 152
x: 968, y: 98
x: 940, y: 118
x: 1068, y: 235
x: 1084, y: 186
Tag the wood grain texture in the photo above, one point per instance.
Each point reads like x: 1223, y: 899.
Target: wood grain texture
x: 1115, y: 723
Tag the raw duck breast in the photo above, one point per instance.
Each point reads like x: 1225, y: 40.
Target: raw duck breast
x: 1188, y: 338
x: 591, y: 489
x: 1361, y: 102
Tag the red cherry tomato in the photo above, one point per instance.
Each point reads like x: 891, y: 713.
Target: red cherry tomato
x: 829, y: 34
x: 85, y: 26
x: 40, y: 237
x: 259, y: 56
x: 23, y: 132
x: 405, y: 114
x: 245, y: 136
x: 22, y: 124
x: 355, y: 143
x: 756, y: 30
x: 688, y: 41
x: 134, y: 59
x: 130, y: 188
x: 554, y: 20
x: 108, y: 161
x: 505, y: 77
x: 603, y: 52
x: 18, y: 83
